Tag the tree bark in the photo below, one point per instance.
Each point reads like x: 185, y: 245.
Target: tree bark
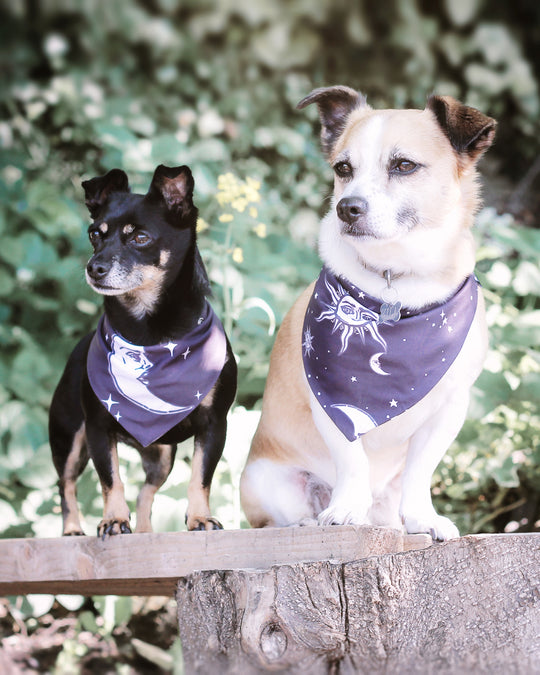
x: 470, y: 605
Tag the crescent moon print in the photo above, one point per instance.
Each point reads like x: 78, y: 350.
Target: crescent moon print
x: 375, y: 364
x: 350, y: 317
x: 361, y: 420
x: 129, y: 367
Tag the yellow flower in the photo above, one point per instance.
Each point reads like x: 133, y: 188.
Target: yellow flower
x: 260, y: 230
x: 226, y: 218
x: 239, y: 204
x: 253, y: 212
x: 232, y: 190
x: 202, y: 225
x: 238, y: 255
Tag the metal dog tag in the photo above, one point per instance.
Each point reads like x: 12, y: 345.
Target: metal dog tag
x: 390, y: 312
x: 391, y: 306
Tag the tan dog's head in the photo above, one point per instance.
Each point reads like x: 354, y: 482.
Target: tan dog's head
x: 405, y: 188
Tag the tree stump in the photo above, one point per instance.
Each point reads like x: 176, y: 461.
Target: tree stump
x: 470, y: 605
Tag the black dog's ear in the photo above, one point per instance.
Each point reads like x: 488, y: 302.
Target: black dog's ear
x: 469, y: 131
x: 335, y: 104
x: 97, y: 190
x: 174, y: 186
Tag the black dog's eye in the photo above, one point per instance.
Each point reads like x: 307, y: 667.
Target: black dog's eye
x: 343, y: 169
x: 402, y: 166
x: 140, y: 239
x: 94, y: 237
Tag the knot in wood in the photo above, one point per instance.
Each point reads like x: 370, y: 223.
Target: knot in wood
x: 273, y: 641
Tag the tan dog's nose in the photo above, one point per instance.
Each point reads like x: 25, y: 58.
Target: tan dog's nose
x: 351, y: 209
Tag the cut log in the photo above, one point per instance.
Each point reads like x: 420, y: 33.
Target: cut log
x: 470, y: 605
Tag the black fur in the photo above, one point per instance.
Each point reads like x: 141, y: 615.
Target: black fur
x: 149, y: 239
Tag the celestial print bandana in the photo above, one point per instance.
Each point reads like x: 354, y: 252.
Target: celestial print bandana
x: 365, y: 370
x: 150, y: 389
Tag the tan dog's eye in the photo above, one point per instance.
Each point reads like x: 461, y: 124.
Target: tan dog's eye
x: 343, y: 169
x: 402, y: 166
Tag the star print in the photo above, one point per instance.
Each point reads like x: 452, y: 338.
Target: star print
x: 171, y: 347
x: 185, y: 354
x: 118, y: 416
x: 450, y: 329
x: 442, y: 314
x: 198, y: 395
x: 353, y: 379
x: 393, y: 403
x: 308, y: 342
x: 109, y: 402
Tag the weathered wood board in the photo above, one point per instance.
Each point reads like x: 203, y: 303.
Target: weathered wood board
x: 151, y: 564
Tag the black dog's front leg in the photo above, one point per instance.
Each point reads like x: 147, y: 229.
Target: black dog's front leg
x: 210, y: 430
x: 208, y: 449
x: 104, y: 454
x: 101, y: 443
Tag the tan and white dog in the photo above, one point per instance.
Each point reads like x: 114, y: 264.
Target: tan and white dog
x: 405, y: 193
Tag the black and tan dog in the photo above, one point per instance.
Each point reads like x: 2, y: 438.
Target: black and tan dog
x: 158, y: 369
x: 370, y: 373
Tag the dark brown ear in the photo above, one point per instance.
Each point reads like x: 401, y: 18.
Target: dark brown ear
x: 97, y: 190
x: 174, y: 186
x: 335, y: 104
x: 469, y: 131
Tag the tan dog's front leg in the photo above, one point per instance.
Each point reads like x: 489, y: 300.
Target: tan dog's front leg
x: 427, y: 447
x: 351, y: 497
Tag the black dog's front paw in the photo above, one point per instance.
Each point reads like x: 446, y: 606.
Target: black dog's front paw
x: 113, y: 527
x: 203, y: 523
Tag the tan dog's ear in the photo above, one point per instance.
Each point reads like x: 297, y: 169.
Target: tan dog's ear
x: 335, y: 104
x: 469, y: 131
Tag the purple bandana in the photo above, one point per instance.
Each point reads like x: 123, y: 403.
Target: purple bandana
x: 149, y: 390
x: 364, y: 371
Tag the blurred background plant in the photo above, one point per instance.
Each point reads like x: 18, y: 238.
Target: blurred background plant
x: 88, y: 86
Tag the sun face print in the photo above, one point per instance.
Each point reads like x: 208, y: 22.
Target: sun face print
x: 350, y: 317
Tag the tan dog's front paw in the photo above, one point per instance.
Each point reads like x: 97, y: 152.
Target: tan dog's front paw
x: 439, y: 527
x: 334, y: 515
x: 203, y: 523
x: 112, y: 527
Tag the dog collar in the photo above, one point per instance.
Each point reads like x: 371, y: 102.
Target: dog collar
x: 365, y: 370
x: 150, y: 389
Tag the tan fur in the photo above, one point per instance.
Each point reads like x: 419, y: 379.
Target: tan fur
x: 300, y: 466
x: 157, y: 463
x: 68, y: 486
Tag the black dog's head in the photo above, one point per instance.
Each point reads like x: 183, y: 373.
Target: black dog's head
x: 139, y: 241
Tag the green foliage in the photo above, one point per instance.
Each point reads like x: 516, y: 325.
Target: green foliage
x: 491, y: 478
x: 91, y: 86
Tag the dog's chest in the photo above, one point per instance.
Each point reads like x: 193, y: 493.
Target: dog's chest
x: 363, y: 371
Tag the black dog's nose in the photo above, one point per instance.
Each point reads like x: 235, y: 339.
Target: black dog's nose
x: 351, y: 209
x: 96, y: 270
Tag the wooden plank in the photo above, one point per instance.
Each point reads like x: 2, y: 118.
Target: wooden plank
x: 151, y: 564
